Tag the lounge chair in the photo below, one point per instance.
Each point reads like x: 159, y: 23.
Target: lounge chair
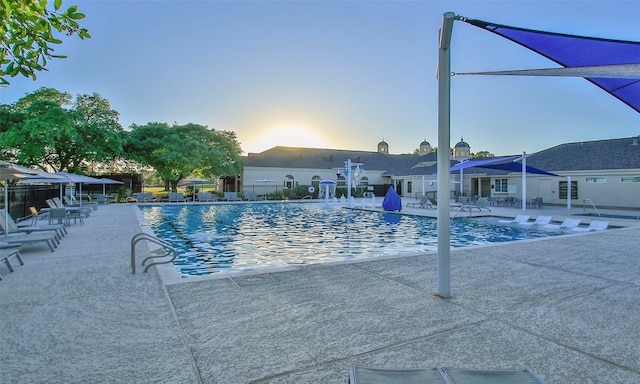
x: 7, y: 251
x: 143, y: 197
x: 362, y: 375
x: 102, y: 199
x: 595, y: 225
x: 29, y: 238
x: 175, y: 197
x: 517, y: 220
x: 231, y: 196
x: 206, y: 196
x: 35, y: 216
x: 540, y: 220
x: 12, y: 227
x: 469, y: 206
x: 566, y: 224
x: 424, y: 202
x: 87, y: 207
x: 249, y: 195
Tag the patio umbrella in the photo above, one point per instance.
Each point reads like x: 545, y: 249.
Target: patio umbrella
x: 326, y: 183
x: 79, y: 179
x: 45, y: 178
x: 194, y: 181
x: 8, y: 172
x: 104, y: 181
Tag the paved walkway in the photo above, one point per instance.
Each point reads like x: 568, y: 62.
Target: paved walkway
x: 567, y: 308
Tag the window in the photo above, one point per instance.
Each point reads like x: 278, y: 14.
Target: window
x: 364, y: 181
x: 630, y: 179
x: 288, y: 181
x: 595, y: 180
x: 409, y: 185
x: 501, y: 186
x: 342, y: 181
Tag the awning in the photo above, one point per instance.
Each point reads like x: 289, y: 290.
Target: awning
x: 612, y: 65
x: 501, y: 163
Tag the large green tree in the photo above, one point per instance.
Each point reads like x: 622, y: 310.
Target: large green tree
x: 46, y: 129
x: 29, y: 30
x: 482, y: 154
x: 178, y: 151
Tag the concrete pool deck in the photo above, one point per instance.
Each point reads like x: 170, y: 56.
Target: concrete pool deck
x: 567, y: 308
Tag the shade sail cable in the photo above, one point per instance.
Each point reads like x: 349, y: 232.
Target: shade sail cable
x: 620, y: 71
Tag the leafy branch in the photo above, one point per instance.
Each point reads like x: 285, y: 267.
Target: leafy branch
x: 28, y: 32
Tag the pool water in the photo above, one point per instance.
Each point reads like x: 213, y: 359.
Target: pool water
x: 239, y: 237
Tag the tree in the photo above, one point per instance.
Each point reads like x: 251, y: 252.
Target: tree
x: 45, y: 129
x: 482, y: 154
x: 184, y: 150
x: 27, y: 30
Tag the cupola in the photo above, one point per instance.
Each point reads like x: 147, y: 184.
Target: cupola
x: 383, y: 147
x: 425, y: 148
x: 462, y: 150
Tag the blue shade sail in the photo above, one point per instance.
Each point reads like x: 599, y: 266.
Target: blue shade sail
x: 501, y: 163
x: 579, y: 51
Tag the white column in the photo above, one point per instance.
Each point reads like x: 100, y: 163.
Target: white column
x: 524, y: 181
x: 568, y: 192
x: 444, y: 143
x: 349, y: 176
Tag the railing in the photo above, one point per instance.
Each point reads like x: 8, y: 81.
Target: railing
x: 584, y: 208
x: 168, y: 248
x: 461, y: 209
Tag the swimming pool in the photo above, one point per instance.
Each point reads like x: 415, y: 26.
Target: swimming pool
x: 240, y: 237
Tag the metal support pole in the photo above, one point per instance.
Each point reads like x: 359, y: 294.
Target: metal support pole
x: 524, y: 181
x: 568, y: 192
x: 349, y: 176
x: 444, y: 143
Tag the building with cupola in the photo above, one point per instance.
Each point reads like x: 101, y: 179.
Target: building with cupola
x: 605, y: 172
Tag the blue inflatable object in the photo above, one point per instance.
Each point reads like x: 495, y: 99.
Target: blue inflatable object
x: 392, y: 202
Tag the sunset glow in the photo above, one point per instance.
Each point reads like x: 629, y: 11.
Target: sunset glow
x: 285, y: 136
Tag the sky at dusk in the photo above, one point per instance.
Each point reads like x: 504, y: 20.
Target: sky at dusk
x: 339, y: 74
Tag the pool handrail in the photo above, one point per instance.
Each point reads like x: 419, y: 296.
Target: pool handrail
x: 584, y: 205
x: 164, y: 244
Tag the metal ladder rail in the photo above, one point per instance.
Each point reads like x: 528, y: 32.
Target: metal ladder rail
x: 164, y: 244
x: 584, y: 209
x: 460, y: 210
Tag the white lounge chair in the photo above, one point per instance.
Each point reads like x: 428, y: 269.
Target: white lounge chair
x: 566, y: 224
x: 206, y: 196
x: 58, y: 229
x: 7, y: 251
x: 540, y: 220
x: 517, y: 220
x: 424, y: 202
x: 231, y: 196
x: 595, y: 225
x: 176, y: 197
x: 29, y: 238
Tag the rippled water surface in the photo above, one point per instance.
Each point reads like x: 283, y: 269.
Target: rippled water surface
x: 231, y: 237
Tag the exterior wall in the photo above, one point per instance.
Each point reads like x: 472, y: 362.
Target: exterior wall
x: 416, y: 186
x: 612, y: 193
x: 301, y: 176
